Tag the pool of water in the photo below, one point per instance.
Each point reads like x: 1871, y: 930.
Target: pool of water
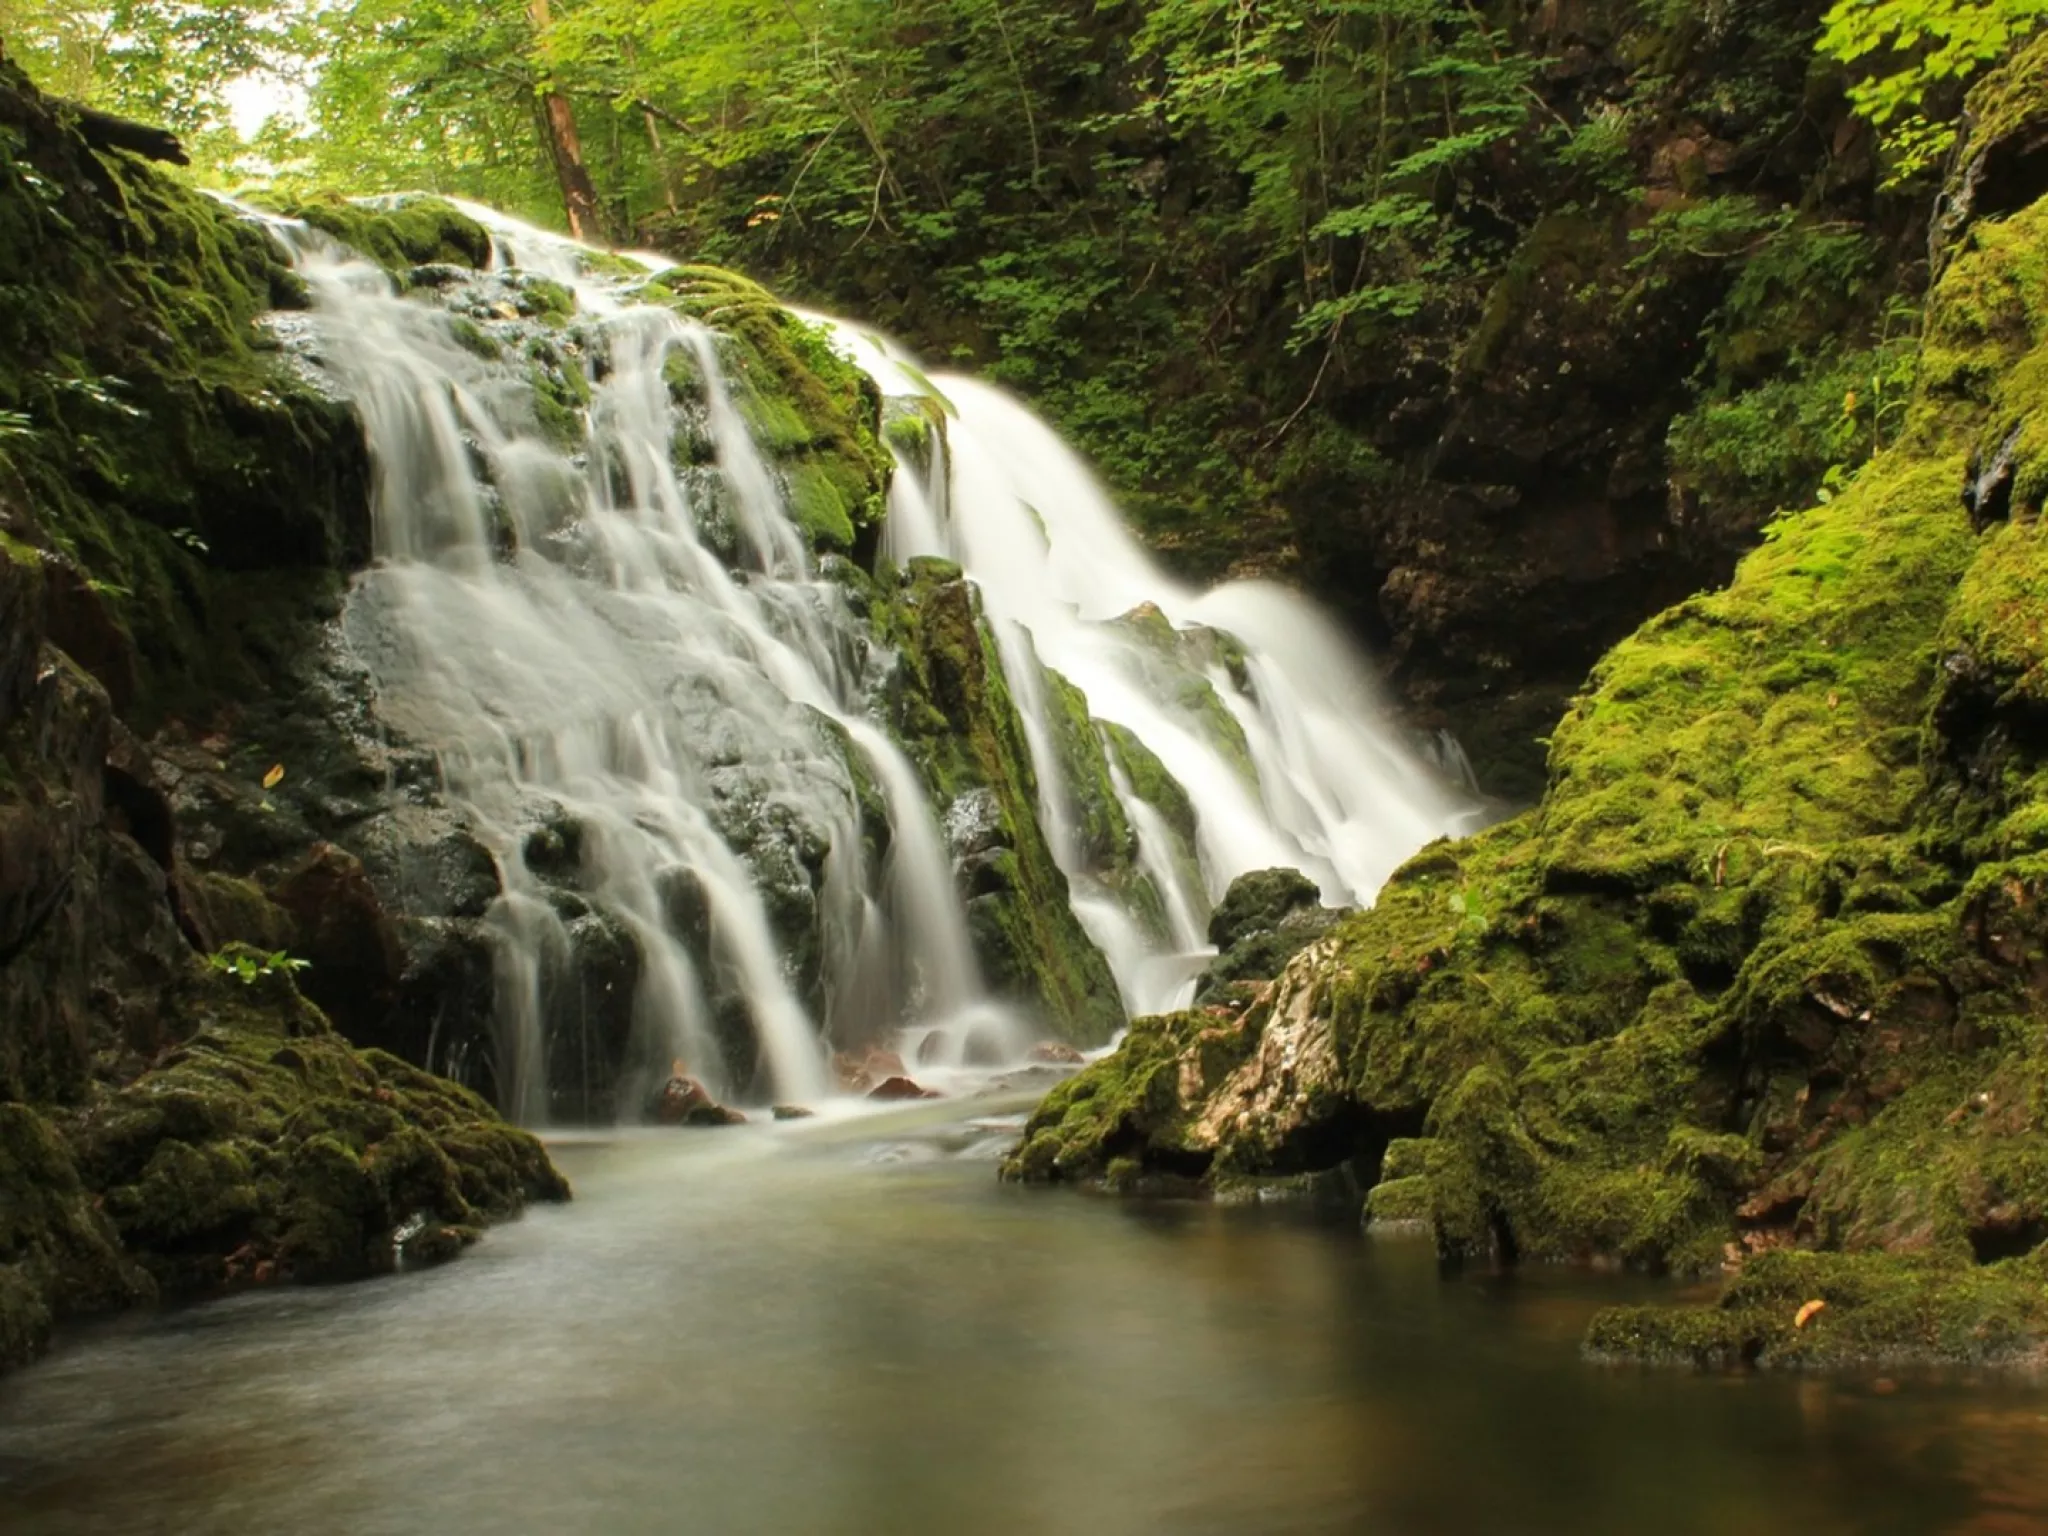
x: 852, y: 1327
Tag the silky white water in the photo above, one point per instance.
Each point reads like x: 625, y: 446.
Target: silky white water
x: 1307, y: 771
x: 648, y: 700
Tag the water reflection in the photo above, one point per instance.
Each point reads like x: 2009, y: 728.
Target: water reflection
x: 780, y: 1329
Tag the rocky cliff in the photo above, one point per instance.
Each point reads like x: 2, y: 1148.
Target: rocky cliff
x: 1758, y: 985
x: 238, y: 914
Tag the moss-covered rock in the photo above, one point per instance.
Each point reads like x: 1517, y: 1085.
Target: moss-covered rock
x: 949, y: 704
x: 400, y: 234
x: 158, y: 437
x: 1873, y: 1310
x: 261, y: 1148
x: 814, y: 415
x: 1265, y: 919
x: 264, y: 1147
x: 1764, y: 968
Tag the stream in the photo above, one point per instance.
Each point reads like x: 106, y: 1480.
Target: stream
x: 848, y: 1325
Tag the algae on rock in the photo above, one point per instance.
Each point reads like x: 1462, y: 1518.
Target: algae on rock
x: 1762, y: 971
x: 949, y: 704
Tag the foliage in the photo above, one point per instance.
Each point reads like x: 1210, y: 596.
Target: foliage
x: 166, y: 61
x: 1913, y: 54
x: 249, y: 965
x: 1762, y: 970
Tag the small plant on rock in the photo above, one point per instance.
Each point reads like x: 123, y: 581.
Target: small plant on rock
x: 248, y: 965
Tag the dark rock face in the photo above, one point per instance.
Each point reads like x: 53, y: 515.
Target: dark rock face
x: 174, y: 1117
x: 2001, y: 166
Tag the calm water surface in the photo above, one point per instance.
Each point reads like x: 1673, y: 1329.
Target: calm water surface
x: 851, y: 1327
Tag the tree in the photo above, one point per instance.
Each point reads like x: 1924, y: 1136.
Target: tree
x: 565, y: 147
x: 1911, y: 50
x: 163, y: 61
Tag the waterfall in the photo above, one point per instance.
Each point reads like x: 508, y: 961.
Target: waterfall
x: 660, y: 715
x: 1247, y: 695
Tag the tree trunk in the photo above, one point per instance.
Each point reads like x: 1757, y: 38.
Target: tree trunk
x: 565, y: 148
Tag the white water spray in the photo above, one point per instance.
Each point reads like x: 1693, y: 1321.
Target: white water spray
x: 649, y: 702
x: 1247, y: 694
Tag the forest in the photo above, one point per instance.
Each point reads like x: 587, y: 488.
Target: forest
x: 1255, y: 258
x: 1204, y: 764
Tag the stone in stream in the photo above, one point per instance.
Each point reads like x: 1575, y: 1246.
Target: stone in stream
x: 857, y: 1074
x: 791, y: 1112
x: 1057, y: 1053
x: 685, y: 1101
x: 899, y: 1087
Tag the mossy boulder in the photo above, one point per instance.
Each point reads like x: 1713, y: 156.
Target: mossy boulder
x: 815, y: 417
x: 1762, y: 971
x: 263, y: 1146
x: 399, y: 234
x: 1265, y: 919
x: 260, y: 1148
x: 948, y: 702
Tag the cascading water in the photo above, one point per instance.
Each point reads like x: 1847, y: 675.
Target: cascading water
x: 1248, y: 697
x: 592, y: 601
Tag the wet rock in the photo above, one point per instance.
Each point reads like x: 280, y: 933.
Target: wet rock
x: 1264, y: 920
x: 792, y: 1112
x: 892, y: 1089
x: 974, y: 823
x: 340, y: 926
x: 1058, y: 1053
x: 857, y: 1073
x: 1258, y: 901
x: 685, y: 1101
x: 949, y: 704
x: 1036, y: 1078
x: 422, y: 1242
x: 81, y: 626
x: 1987, y: 485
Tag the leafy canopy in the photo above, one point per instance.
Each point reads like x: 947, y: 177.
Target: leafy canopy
x: 1911, y: 51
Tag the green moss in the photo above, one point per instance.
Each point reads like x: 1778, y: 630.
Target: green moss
x: 400, y: 234
x: 1878, y: 1310
x: 2010, y: 98
x: 265, y: 1147
x: 949, y: 704
x: 58, y: 1254
x: 1761, y: 973
x: 165, y: 442
x: 545, y: 299
x: 815, y: 416
x: 1129, y: 1105
x: 1405, y: 1203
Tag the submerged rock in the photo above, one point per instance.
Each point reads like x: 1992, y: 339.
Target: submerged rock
x: 859, y: 1073
x: 1057, y: 1053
